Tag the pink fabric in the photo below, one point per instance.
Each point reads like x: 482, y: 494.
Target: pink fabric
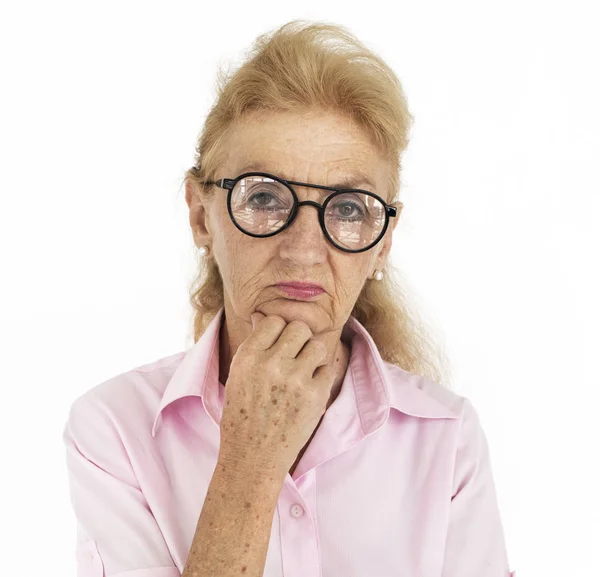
x: 396, y: 481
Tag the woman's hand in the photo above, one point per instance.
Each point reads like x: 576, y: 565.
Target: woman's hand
x: 275, y: 395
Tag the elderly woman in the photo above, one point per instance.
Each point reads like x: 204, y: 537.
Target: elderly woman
x: 306, y: 433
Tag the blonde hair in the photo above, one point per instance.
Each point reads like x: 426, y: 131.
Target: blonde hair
x: 303, y: 67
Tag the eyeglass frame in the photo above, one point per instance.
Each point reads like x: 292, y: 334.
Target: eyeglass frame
x: 229, y: 184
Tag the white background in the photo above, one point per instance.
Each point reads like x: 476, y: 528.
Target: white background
x: 101, y: 104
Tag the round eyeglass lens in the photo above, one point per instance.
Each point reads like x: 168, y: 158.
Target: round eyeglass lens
x: 262, y: 206
x: 354, y: 220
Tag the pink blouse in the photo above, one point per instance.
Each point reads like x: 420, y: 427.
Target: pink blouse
x: 396, y: 482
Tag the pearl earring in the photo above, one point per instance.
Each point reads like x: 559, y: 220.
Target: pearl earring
x: 203, y: 250
x: 378, y: 275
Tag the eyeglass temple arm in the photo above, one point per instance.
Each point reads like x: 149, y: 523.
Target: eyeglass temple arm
x: 226, y: 183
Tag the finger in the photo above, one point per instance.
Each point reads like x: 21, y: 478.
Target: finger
x: 266, y: 332
x: 255, y: 318
x: 324, y: 374
x: 314, y: 352
x: 294, y: 336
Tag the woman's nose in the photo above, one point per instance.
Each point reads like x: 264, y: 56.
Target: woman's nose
x: 303, y: 238
x: 306, y: 221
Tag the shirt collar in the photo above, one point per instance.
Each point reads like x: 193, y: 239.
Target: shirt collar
x: 378, y: 386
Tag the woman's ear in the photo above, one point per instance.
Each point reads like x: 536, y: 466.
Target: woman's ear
x: 198, y: 215
x: 386, y: 243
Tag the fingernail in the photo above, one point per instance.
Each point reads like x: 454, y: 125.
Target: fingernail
x: 253, y: 321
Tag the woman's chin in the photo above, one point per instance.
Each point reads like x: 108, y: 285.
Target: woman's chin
x: 293, y: 310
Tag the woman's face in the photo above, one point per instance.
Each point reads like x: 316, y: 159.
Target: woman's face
x: 317, y: 149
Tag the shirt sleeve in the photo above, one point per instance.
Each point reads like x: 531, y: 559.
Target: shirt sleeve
x: 117, y: 534
x: 475, y: 545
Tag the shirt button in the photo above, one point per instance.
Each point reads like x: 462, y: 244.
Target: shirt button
x: 89, y: 557
x: 296, y: 511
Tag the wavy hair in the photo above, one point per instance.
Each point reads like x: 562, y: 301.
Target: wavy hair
x: 302, y: 67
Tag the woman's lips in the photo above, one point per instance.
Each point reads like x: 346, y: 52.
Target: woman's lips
x: 299, y: 291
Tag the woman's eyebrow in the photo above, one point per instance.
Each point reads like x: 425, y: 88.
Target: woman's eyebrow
x: 353, y: 181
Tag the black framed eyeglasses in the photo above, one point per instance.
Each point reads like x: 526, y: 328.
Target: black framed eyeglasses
x: 262, y: 205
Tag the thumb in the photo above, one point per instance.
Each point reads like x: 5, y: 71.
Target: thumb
x: 255, y: 317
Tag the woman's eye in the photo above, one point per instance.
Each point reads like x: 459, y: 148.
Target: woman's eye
x: 348, y: 210
x: 261, y: 198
